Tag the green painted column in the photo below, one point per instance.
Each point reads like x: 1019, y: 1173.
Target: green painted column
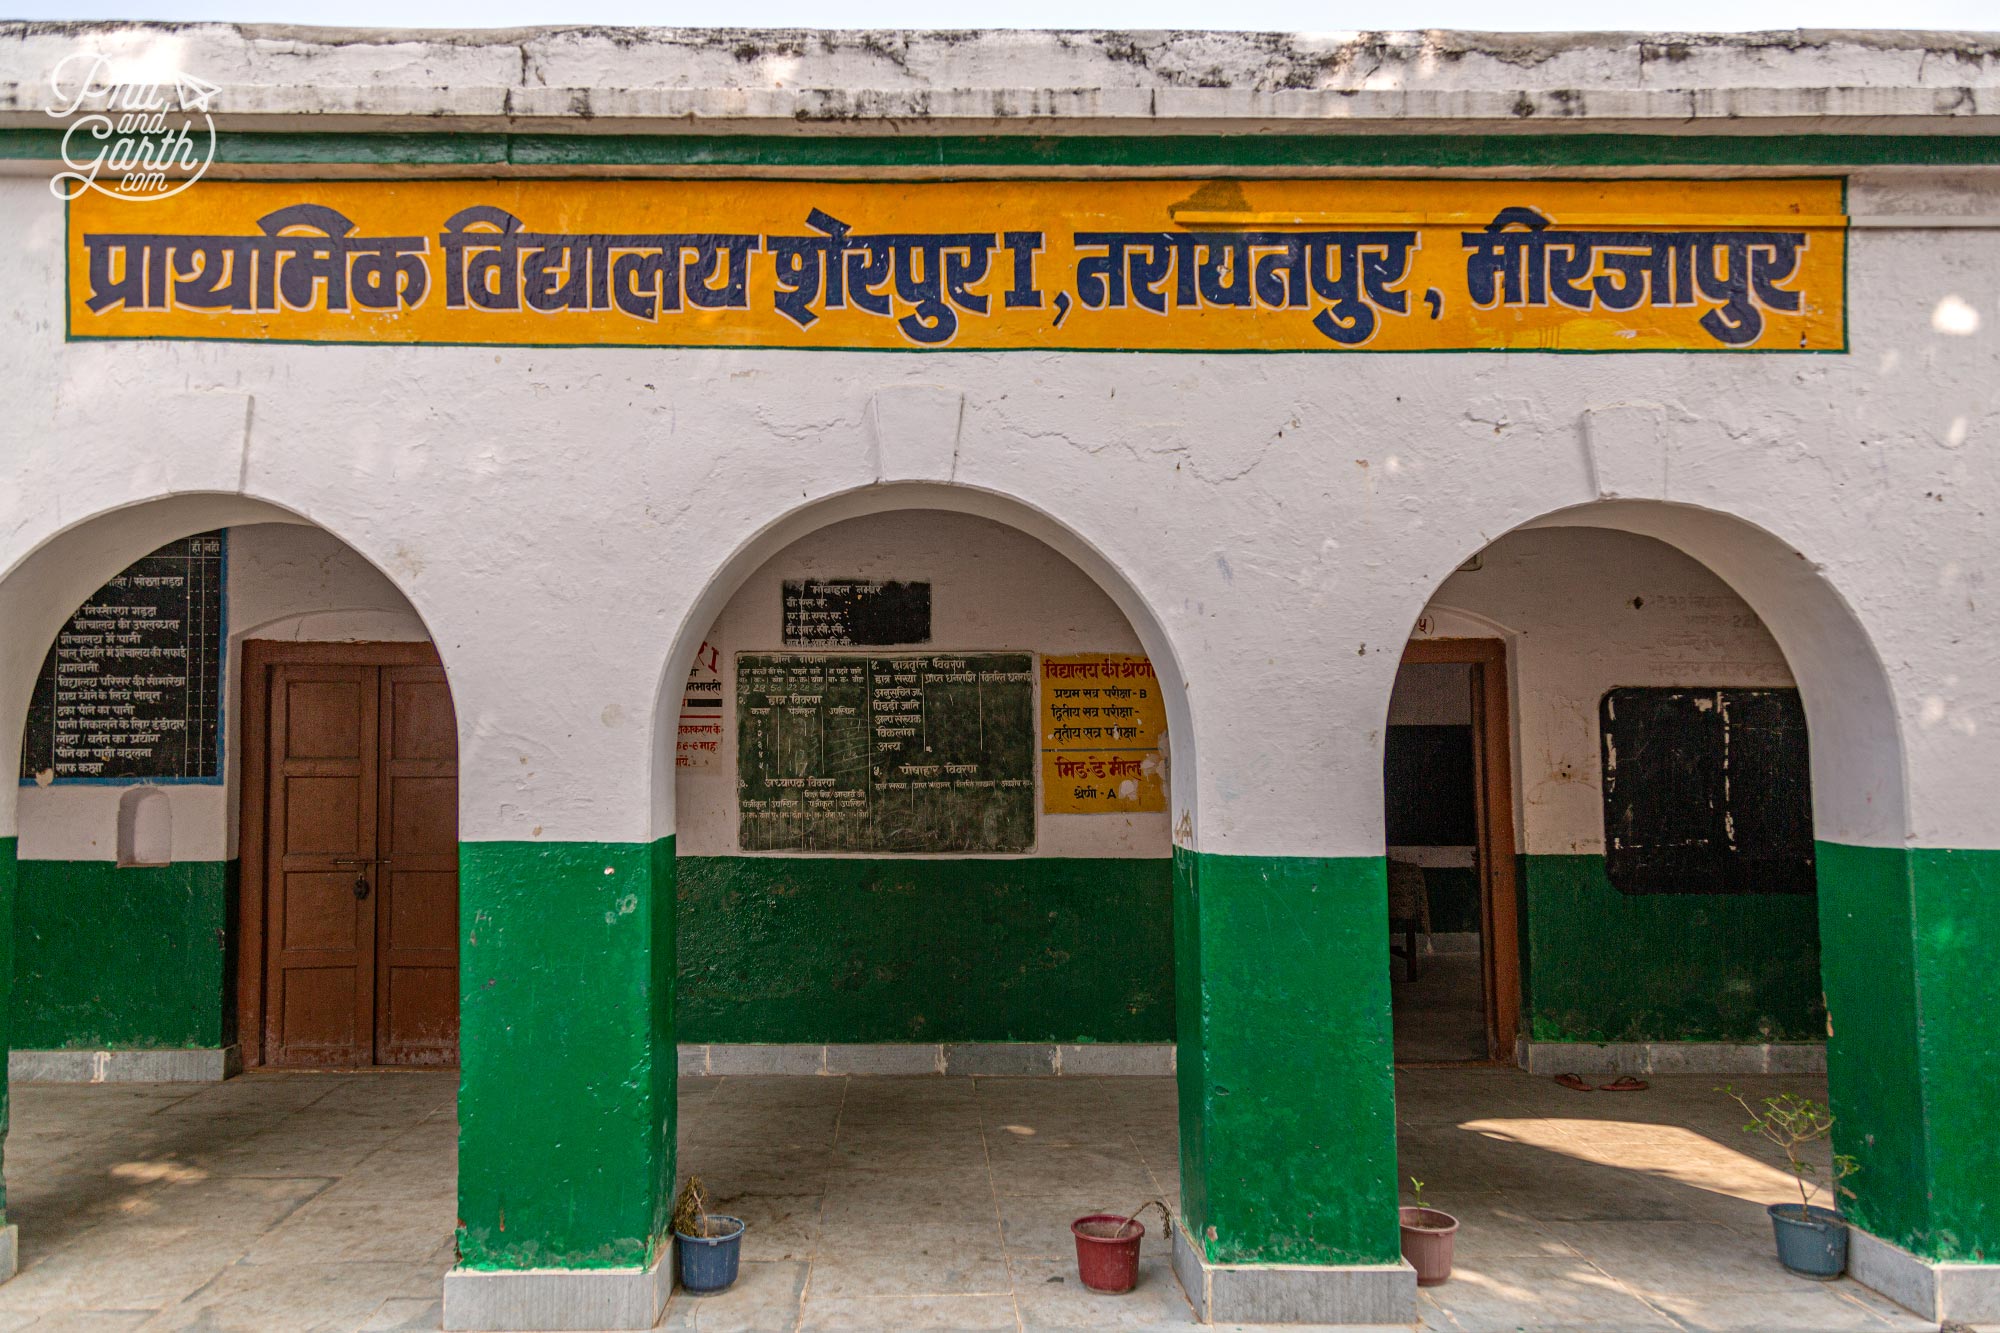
x: 1287, y: 1091
x: 566, y: 1100
x: 1908, y: 942
x: 9, y: 879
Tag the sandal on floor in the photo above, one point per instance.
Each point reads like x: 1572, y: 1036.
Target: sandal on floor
x: 1625, y: 1084
x: 1572, y: 1082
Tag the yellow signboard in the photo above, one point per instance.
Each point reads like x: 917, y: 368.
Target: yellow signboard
x: 1102, y: 729
x: 1242, y: 265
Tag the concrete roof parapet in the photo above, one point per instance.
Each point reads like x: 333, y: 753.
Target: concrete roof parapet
x: 667, y: 80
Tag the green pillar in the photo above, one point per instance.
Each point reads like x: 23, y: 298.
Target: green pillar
x: 566, y: 1100
x: 9, y: 883
x: 1908, y: 942
x: 1287, y: 1090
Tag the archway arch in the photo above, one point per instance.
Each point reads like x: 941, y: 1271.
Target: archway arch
x: 728, y: 576
x: 1744, y: 618
x: 1055, y: 959
x: 134, y: 960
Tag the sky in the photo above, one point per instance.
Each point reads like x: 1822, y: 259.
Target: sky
x: 1278, y: 15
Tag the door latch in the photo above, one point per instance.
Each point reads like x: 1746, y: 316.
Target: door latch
x: 361, y: 885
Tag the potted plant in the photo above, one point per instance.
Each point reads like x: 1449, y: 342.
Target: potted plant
x: 1812, y: 1241
x: 1427, y: 1237
x: 710, y: 1243
x: 1107, y: 1247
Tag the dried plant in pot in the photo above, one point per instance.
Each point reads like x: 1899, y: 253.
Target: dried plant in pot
x: 1107, y: 1247
x: 1428, y: 1234
x: 1812, y: 1241
x: 710, y: 1244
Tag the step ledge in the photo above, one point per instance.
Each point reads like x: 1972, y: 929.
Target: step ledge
x: 962, y: 1059
x: 191, y: 1065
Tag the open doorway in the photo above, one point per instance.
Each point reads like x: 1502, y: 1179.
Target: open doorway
x: 1449, y: 813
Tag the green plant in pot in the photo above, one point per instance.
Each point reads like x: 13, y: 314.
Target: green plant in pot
x: 1428, y: 1235
x: 1812, y: 1241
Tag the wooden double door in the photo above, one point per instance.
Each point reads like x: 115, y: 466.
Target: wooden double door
x: 359, y: 860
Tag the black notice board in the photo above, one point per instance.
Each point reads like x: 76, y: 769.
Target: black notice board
x: 131, y: 690
x: 1430, y: 794
x: 841, y: 613
x: 930, y: 753
x: 1707, y: 791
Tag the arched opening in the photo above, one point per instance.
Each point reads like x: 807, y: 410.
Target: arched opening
x: 1620, y: 744
x: 233, y: 843
x: 927, y: 757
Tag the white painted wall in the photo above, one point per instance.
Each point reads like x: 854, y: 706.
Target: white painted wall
x: 1583, y: 611
x: 285, y: 581
x: 993, y: 589
x: 1272, y: 525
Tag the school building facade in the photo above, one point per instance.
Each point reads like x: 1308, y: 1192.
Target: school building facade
x: 594, y: 555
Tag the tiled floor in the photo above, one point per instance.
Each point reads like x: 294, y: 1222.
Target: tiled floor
x: 325, y: 1202
x: 270, y: 1202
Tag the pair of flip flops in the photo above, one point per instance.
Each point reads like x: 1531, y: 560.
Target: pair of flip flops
x: 1624, y: 1084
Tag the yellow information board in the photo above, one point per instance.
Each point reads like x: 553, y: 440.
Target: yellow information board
x: 1233, y: 265
x: 1102, y: 729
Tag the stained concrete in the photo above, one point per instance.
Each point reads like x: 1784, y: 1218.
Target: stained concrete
x: 620, y: 79
x: 325, y: 1202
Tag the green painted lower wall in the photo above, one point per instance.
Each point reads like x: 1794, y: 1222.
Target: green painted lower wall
x: 1957, y: 916
x: 1874, y: 1078
x: 9, y: 870
x: 1608, y: 966
x: 858, y: 949
x: 1287, y: 1093
x: 133, y: 958
x: 567, y: 1068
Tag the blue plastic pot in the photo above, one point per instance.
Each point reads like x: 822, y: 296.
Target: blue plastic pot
x: 708, y: 1263
x: 1813, y: 1246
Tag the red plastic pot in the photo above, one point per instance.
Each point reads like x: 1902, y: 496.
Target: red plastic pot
x: 1427, y: 1242
x: 1107, y: 1252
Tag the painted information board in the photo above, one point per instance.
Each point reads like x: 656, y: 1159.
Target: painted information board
x: 910, y: 753
x: 1260, y: 265
x: 131, y: 690
x: 698, y: 735
x: 838, y: 613
x: 1103, y: 730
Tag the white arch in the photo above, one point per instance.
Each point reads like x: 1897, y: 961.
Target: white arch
x: 44, y: 585
x: 1859, y: 767
x: 813, y: 515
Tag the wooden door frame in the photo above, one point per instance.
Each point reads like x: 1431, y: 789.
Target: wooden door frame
x: 253, y: 725
x: 1499, y: 894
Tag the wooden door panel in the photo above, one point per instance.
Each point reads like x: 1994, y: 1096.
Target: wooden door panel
x: 425, y: 727
x: 319, y: 1015
x: 417, y: 922
x: 322, y: 771
x: 423, y: 1005
x: 323, y: 718
x: 423, y: 817
x: 319, y: 913
x: 423, y: 912
x: 323, y: 816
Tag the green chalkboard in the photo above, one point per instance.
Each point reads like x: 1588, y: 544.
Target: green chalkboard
x: 912, y: 753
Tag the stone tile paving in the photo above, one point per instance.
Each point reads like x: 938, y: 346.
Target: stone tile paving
x: 325, y: 1202
x: 270, y: 1202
